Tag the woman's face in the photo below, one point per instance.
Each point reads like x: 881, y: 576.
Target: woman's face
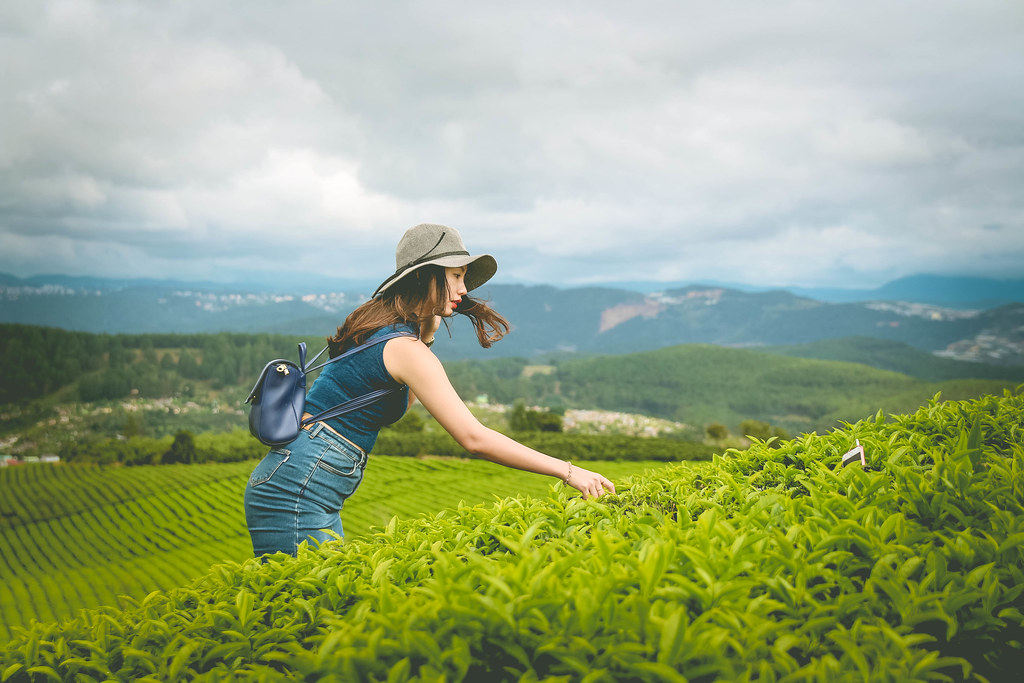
x: 455, y: 279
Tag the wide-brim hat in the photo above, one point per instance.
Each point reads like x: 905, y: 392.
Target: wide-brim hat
x: 429, y: 244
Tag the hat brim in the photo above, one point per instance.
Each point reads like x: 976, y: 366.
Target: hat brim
x: 479, y: 269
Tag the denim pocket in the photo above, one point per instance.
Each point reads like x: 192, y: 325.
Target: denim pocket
x: 336, y: 477
x: 339, y: 463
x: 268, y: 466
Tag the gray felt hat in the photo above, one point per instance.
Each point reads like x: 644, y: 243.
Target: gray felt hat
x: 428, y: 244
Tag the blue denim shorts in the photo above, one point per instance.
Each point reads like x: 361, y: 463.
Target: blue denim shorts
x: 297, y: 491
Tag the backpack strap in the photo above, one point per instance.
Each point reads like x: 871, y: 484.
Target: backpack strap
x: 359, y: 401
x: 350, y: 405
x: 354, y: 349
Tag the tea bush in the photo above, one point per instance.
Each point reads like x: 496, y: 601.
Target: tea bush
x: 588, y: 447
x: 74, y: 537
x: 770, y: 564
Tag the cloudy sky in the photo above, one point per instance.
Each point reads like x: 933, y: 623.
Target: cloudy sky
x: 827, y: 143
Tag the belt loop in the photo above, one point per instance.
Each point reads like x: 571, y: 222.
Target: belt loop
x: 316, y: 429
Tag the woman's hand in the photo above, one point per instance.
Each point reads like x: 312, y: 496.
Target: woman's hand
x: 415, y: 366
x: 590, y: 484
x: 429, y: 327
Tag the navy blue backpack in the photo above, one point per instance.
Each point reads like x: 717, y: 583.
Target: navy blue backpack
x: 278, y: 399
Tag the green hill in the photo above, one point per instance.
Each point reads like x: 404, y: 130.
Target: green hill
x: 203, y: 380
x: 890, y: 355
x: 698, y: 384
x: 768, y: 564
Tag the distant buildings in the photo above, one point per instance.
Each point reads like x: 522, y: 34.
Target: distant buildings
x: 11, y: 461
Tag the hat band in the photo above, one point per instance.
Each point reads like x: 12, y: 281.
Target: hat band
x: 412, y: 264
x: 431, y: 257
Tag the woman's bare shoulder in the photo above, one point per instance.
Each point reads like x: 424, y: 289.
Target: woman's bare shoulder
x: 403, y: 355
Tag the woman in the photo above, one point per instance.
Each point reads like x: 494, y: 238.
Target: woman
x: 296, y: 492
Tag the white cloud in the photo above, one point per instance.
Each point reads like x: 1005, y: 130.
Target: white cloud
x: 800, y: 143
x: 874, y: 142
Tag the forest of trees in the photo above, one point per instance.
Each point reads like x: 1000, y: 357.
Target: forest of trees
x: 43, y: 360
x: 80, y: 367
x: 746, y: 391
x: 97, y: 367
x: 185, y: 447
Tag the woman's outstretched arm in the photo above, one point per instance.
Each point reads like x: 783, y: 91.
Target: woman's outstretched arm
x: 411, y: 363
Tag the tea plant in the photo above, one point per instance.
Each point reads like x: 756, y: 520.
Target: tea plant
x: 770, y: 564
x: 73, y: 537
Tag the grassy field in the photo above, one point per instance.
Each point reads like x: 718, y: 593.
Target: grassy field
x: 74, y: 537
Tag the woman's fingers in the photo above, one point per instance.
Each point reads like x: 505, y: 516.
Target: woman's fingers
x: 592, y: 484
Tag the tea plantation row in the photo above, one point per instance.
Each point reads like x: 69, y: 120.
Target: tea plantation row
x: 80, y: 536
x: 768, y: 565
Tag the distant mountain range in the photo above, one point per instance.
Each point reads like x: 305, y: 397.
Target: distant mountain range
x: 939, y: 290
x: 925, y: 312
x: 954, y: 292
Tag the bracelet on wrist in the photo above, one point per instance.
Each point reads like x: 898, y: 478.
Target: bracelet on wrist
x: 568, y: 474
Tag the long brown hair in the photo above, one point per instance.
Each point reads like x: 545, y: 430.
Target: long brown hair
x: 413, y: 300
